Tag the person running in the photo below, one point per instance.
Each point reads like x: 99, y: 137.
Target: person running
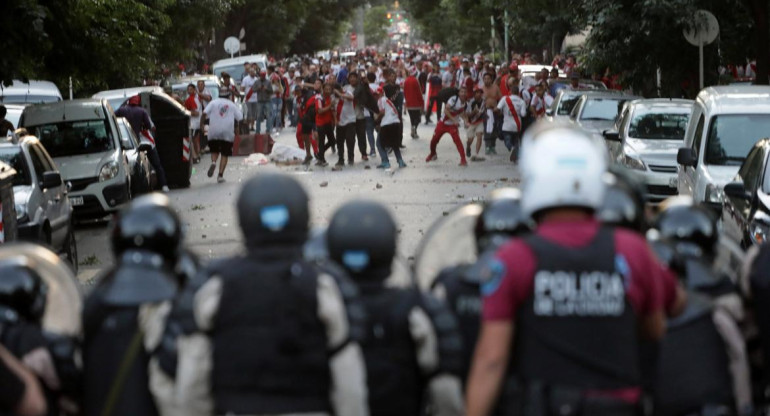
x: 391, y: 131
x: 454, y: 109
x: 474, y: 123
x: 512, y: 108
x: 222, y: 114
x: 194, y: 106
x: 144, y: 129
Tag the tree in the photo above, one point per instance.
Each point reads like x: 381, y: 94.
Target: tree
x: 759, y: 13
x: 375, y: 24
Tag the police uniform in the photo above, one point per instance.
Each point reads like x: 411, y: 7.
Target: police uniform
x: 118, y: 315
x: 412, y: 346
x: 278, y: 333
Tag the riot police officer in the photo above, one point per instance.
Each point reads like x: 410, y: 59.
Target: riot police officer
x: 579, y: 295
x: 146, y: 242
x: 40, y: 305
x: 412, y: 346
x: 500, y: 219
x: 704, y: 344
x: 278, y: 329
x: 624, y: 200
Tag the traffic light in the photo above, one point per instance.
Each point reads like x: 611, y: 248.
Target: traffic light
x: 398, y: 16
x: 389, y: 15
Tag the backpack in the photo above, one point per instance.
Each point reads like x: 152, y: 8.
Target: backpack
x: 446, y: 93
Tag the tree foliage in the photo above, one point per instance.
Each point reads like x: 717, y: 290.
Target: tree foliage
x: 375, y: 24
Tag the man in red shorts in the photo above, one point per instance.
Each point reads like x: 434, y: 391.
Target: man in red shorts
x: 453, y: 111
x: 564, y: 309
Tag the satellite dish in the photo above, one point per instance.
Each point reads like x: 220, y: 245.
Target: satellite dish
x: 232, y: 45
x: 704, y: 28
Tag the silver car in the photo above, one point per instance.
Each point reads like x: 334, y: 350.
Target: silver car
x: 650, y: 132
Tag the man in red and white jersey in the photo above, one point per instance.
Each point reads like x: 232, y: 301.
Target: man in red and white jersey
x: 541, y: 101
x: 453, y: 111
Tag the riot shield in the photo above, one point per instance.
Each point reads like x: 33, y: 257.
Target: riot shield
x: 64, y: 298
x: 449, y: 242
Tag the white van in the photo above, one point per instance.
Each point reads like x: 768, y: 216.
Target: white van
x: 234, y: 66
x: 725, y: 124
x: 31, y: 92
x: 83, y: 139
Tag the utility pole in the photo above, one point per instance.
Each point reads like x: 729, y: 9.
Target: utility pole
x: 505, y: 25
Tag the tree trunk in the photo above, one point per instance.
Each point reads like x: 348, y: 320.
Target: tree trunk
x: 759, y: 9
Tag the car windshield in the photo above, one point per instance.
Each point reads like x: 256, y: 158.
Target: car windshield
x: 731, y: 137
x: 601, y: 109
x: 566, y: 104
x: 658, y: 124
x: 13, y: 156
x: 29, y: 99
x: 71, y: 138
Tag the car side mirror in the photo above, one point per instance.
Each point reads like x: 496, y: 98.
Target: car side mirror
x: 145, y: 147
x: 51, y: 179
x: 126, y: 144
x: 612, y: 136
x: 549, y: 112
x: 737, y: 190
x: 686, y: 156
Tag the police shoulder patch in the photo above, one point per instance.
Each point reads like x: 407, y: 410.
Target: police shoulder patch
x: 491, y: 276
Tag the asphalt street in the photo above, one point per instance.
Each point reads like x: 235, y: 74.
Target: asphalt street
x: 417, y: 195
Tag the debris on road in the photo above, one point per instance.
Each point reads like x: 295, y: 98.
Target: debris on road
x: 256, y: 159
x: 324, y: 184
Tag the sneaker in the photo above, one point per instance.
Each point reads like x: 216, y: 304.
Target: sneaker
x: 428, y: 122
x: 350, y: 162
x: 431, y: 157
x: 383, y: 166
x: 401, y: 164
x: 487, y: 151
x: 165, y: 189
x: 212, y: 168
x: 365, y: 158
x: 468, y: 150
x: 464, y: 164
x: 321, y: 163
x: 476, y: 158
x: 372, y: 154
x: 402, y: 147
x: 493, y: 151
x: 307, y: 160
x: 220, y: 179
x: 339, y: 164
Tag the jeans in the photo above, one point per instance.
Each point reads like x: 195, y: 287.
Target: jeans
x: 346, y: 136
x: 361, y: 135
x: 390, y: 129
x: 326, y: 139
x: 251, y: 112
x: 275, y: 114
x: 263, y: 113
x: 430, y: 108
x: 160, y: 174
x: 370, y: 131
x: 292, y: 113
x: 511, y: 139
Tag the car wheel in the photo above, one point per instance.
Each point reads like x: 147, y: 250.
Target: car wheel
x: 71, y: 250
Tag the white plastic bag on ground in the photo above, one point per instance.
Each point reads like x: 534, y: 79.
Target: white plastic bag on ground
x: 256, y: 159
x: 288, y: 155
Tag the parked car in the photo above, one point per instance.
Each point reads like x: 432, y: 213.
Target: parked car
x: 746, y: 208
x: 649, y: 133
x: 31, y: 92
x: 561, y: 83
x: 596, y: 111
x: 563, y: 103
x: 117, y: 98
x: 141, y: 171
x: 234, y: 66
x: 725, y: 124
x: 43, y: 211
x: 83, y: 138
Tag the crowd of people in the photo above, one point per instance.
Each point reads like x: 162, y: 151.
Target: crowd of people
x: 576, y: 304
x: 359, y: 104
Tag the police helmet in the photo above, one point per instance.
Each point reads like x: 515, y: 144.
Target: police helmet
x: 692, y: 228
x: 501, y: 218
x: 148, y: 224
x: 273, y: 208
x: 624, y: 201
x: 22, y: 290
x: 362, y: 238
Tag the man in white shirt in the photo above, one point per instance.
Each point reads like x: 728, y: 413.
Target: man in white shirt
x: 345, y: 112
x: 513, y: 108
x: 251, y: 102
x: 453, y: 111
x: 222, y: 114
x: 541, y: 101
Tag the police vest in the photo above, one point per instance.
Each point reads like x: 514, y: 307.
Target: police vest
x: 392, y: 372
x: 693, y: 367
x: 463, y: 297
x: 270, y: 349
x: 577, y: 329
x: 108, y: 334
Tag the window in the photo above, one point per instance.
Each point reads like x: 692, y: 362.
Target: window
x: 698, y: 136
x: 72, y: 138
x: 15, y: 158
x: 43, y: 156
x: 731, y: 137
x: 566, y: 104
x: 601, y: 109
x: 653, y: 124
x: 37, y: 164
x: 752, y: 169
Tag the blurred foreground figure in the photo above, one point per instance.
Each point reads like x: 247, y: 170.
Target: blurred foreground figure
x: 118, y: 338
x: 412, y: 347
x: 40, y: 305
x: 566, y: 307
x: 277, y: 328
